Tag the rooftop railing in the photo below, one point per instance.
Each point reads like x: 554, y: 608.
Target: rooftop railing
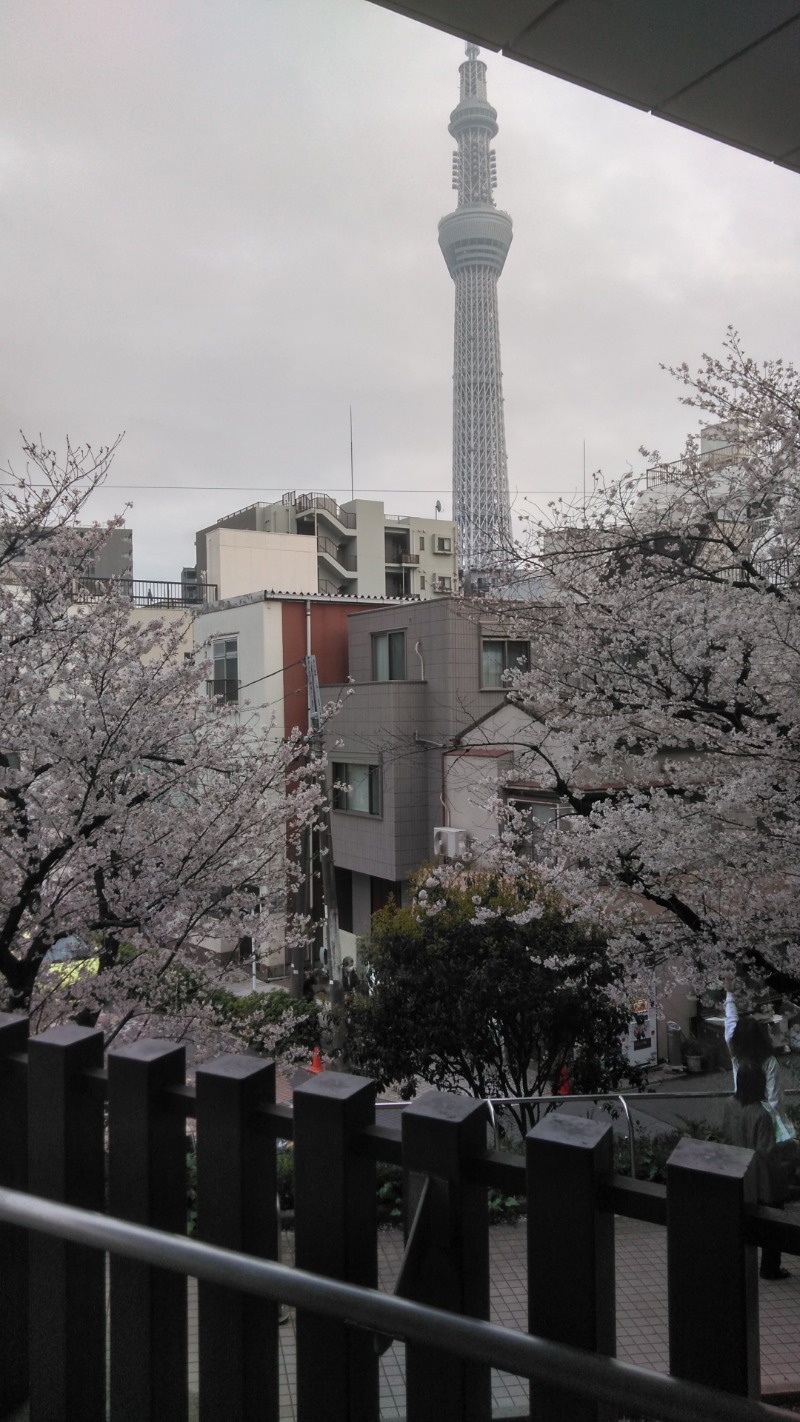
x: 143, y: 592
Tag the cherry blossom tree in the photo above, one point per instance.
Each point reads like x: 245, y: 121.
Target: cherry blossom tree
x: 136, y: 813
x: 663, y: 688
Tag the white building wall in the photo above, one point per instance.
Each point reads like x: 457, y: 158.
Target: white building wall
x: 438, y: 566
x: 471, y: 784
x: 258, y: 628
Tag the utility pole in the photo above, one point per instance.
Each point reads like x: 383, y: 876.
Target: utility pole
x: 324, y: 834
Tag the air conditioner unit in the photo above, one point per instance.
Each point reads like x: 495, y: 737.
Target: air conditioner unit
x: 451, y: 843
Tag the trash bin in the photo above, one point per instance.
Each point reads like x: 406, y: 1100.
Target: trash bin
x: 674, y: 1042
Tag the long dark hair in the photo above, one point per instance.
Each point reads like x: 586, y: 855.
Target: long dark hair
x: 751, y: 1040
x: 751, y: 1083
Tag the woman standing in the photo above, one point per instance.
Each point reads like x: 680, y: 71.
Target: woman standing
x: 749, y: 1040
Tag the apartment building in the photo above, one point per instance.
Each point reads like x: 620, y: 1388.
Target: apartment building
x: 358, y: 549
x: 422, y: 673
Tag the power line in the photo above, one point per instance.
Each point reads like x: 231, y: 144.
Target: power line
x: 278, y: 672
x: 269, y: 489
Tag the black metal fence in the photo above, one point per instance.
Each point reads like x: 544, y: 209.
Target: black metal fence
x: 111, y: 1141
x: 143, y: 592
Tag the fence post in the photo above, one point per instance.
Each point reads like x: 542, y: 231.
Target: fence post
x: 67, y: 1281
x: 571, y: 1295
x: 451, y: 1269
x: 13, y: 1242
x: 147, y: 1185
x: 335, y: 1235
x: 713, y: 1285
x: 236, y: 1209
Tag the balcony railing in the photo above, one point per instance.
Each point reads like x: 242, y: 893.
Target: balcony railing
x: 309, y: 503
x: 775, y: 572
x: 224, y: 689
x: 142, y: 592
x: 333, y: 550
x: 718, y: 458
x: 93, y: 1159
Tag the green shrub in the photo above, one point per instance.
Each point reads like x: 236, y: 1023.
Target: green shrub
x: 285, y: 1163
x: 506, y: 1209
x: 390, y: 1194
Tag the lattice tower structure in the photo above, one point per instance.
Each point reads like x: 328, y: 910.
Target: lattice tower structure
x: 475, y: 240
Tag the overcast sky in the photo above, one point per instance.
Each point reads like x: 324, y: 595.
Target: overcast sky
x: 219, y: 233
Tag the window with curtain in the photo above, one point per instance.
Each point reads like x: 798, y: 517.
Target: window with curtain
x: 499, y: 656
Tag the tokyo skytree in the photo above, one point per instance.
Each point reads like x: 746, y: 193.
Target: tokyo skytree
x: 475, y: 240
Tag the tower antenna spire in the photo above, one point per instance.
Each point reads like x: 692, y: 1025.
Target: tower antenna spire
x: 475, y: 240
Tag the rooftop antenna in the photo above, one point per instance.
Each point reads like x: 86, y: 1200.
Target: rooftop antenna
x: 352, y: 486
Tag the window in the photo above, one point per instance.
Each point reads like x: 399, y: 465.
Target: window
x: 357, y: 788
x: 499, y: 656
x: 422, y: 582
x: 422, y: 543
x: 444, y: 545
x: 536, y: 814
x: 225, y: 655
x: 389, y: 656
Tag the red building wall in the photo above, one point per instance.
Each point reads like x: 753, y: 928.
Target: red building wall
x: 328, y: 645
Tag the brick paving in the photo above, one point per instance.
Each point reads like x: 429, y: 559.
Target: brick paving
x: 641, y: 1316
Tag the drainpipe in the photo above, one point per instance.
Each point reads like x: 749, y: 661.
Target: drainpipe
x: 417, y: 646
x: 307, y: 858
x: 445, y: 811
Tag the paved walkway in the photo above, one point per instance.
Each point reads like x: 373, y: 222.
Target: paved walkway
x: 641, y: 1274
x: 641, y: 1316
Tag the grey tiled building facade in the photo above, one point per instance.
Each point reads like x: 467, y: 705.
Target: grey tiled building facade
x: 420, y: 674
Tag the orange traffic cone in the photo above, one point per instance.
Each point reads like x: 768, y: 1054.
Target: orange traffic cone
x: 316, y: 1062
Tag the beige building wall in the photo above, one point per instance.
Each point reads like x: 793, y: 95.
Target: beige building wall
x: 369, y: 545
x: 243, y: 560
x: 140, y: 616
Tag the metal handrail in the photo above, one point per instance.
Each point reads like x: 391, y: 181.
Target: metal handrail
x: 308, y: 503
x: 577, y: 1372
x: 617, y: 1096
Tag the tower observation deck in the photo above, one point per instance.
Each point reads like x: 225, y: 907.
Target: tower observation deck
x: 475, y: 240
